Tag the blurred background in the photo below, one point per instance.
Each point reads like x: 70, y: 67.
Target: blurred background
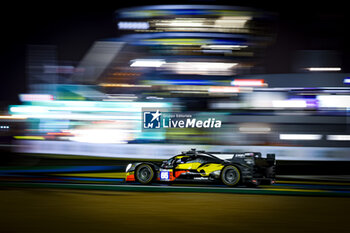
x: 75, y: 79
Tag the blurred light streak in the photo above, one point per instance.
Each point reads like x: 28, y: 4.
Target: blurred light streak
x: 232, y: 21
x: 133, y: 25
x: 59, y: 169
x: 84, y: 110
x: 164, y: 151
x: 147, y: 63
x: 289, y: 104
x: 182, y: 10
x: 347, y: 80
x: 101, y: 135
x: 324, y: 69
x: 30, y: 137
x: 248, y: 82
x: 224, y: 47
x: 82, y: 117
x: 205, y: 65
x: 122, y: 85
x: 198, y: 68
x: 50, y: 69
x: 117, y: 99
x: 28, y: 109
x: 223, y: 89
x: 184, y: 82
x: 154, y: 98
x: 35, y: 97
x: 217, y: 40
x: 121, y: 97
x: 300, y: 136
x: 334, y: 101
x: 59, y: 134
x: 225, y: 24
x: 226, y: 105
x: 13, y: 117
x: 54, y: 109
x: 176, y: 41
x: 254, y: 128
x: 181, y: 22
x: 338, y: 137
x: 92, y: 105
x: 202, y: 68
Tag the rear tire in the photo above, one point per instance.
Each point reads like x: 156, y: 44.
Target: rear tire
x: 144, y: 174
x: 230, y: 175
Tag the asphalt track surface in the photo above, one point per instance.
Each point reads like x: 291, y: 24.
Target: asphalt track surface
x: 72, y: 210
x: 37, y: 200
x: 326, y: 189
x: 58, y: 197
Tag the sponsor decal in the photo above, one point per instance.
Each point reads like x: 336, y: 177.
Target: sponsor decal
x: 152, y: 120
x: 156, y: 119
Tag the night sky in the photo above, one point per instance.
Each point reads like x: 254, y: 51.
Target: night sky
x: 73, y: 27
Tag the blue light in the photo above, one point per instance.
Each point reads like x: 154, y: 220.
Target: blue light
x: 347, y: 81
x: 133, y: 25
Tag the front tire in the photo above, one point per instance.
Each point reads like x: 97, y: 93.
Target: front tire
x: 144, y: 174
x: 230, y: 175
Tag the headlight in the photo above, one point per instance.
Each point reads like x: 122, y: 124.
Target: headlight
x: 128, y: 167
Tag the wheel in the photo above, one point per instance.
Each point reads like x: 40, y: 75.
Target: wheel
x: 230, y: 175
x: 144, y: 174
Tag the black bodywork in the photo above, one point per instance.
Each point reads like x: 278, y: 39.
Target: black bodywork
x: 252, y: 168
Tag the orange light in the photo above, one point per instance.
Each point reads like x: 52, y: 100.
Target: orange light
x: 59, y: 134
x: 121, y: 85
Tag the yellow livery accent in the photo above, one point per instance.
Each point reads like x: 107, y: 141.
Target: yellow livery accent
x: 209, y: 168
x: 188, y: 166
x: 182, y: 156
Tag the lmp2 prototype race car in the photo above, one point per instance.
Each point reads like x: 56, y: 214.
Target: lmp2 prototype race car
x: 248, y: 169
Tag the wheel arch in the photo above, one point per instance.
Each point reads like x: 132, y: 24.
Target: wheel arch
x: 154, y: 167
x: 137, y: 164
x: 236, y: 165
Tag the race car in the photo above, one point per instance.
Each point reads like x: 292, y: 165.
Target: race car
x: 247, y: 168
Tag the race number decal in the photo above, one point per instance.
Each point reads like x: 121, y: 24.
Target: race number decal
x: 164, y: 175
